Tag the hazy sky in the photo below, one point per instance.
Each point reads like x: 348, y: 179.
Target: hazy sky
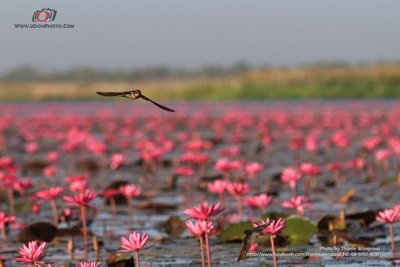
x: 183, y: 33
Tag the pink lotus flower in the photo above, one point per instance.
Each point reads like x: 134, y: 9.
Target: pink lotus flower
x: 8, y: 180
x: 36, y: 207
x: 23, y: 185
x: 109, y: 192
x: 357, y: 163
x: 311, y: 143
x: 341, y: 139
x: 229, y: 151
x: 389, y: 216
x: 273, y: 227
x: 290, y: 176
x: 196, y: 145
x: 4, y: 219
x: 199, y: 227
x: 335, y: 166
x: 78, y: 186
x: 75, y: 178
x: 259, y: 201
x: 217, y: 187
x: 296, y: 143
x: 238, y: 189
x: 253, y: 168
x: 135, y: 242
x: 130, y: 190
x: 81, y: 199
x: 223, y: 165
x: 88, y: 264
x: 309, y: 168
x: 203, y: 211
x: 117, y: 160
x: 95, y: 146
x: 266, y: 140
x: 371, y: 143
x: 194, y: 158
x: 50, y: 193
x: 184, y: 171
x: 31, y: 148
x: 50, y: 171
x: 52, y: 156
x: 6, y: 161
x: 298, y: 203
x: 32, y: 253
x: 383, y: 154
x: 236, y: 165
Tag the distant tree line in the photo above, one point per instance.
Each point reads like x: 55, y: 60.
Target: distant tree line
x: 90, y: 74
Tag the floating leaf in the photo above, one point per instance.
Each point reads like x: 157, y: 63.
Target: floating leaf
x: 299, y: 230
x: 23, y: 206
x: 234, y: 232
x: 388, y: 181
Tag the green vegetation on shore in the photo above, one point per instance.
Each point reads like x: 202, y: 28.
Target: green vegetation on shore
x: 378, y: 81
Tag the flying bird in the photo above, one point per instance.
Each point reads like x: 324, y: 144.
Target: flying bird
x: 134, y: 94
x: 250, y: 239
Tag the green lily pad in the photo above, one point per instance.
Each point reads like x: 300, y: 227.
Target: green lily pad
x: 388, y: 181
x: 299, y: 230
x: 234, y: 232
x: 23, y: 206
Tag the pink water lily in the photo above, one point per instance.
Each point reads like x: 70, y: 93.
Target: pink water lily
x: 134, y: 243
x: 82, y: 200
x: 217, y: 187
x: 297, y: 202
x: 253, y: 168
x: 390, y: 216
x: 130, y: 191
x: 204, y: 211
x: 291, y: 176
x: 199, y: 229
x: 272, y: 228
x: 258, y: 201
x: 88, y: 264
x: 4, y: 220
x: 33, y: 252
x: 117, y: 160
x: 51, y: 194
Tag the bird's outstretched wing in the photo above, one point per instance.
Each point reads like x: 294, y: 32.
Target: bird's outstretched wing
x: 112, y: 93
x: 158, y: 105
